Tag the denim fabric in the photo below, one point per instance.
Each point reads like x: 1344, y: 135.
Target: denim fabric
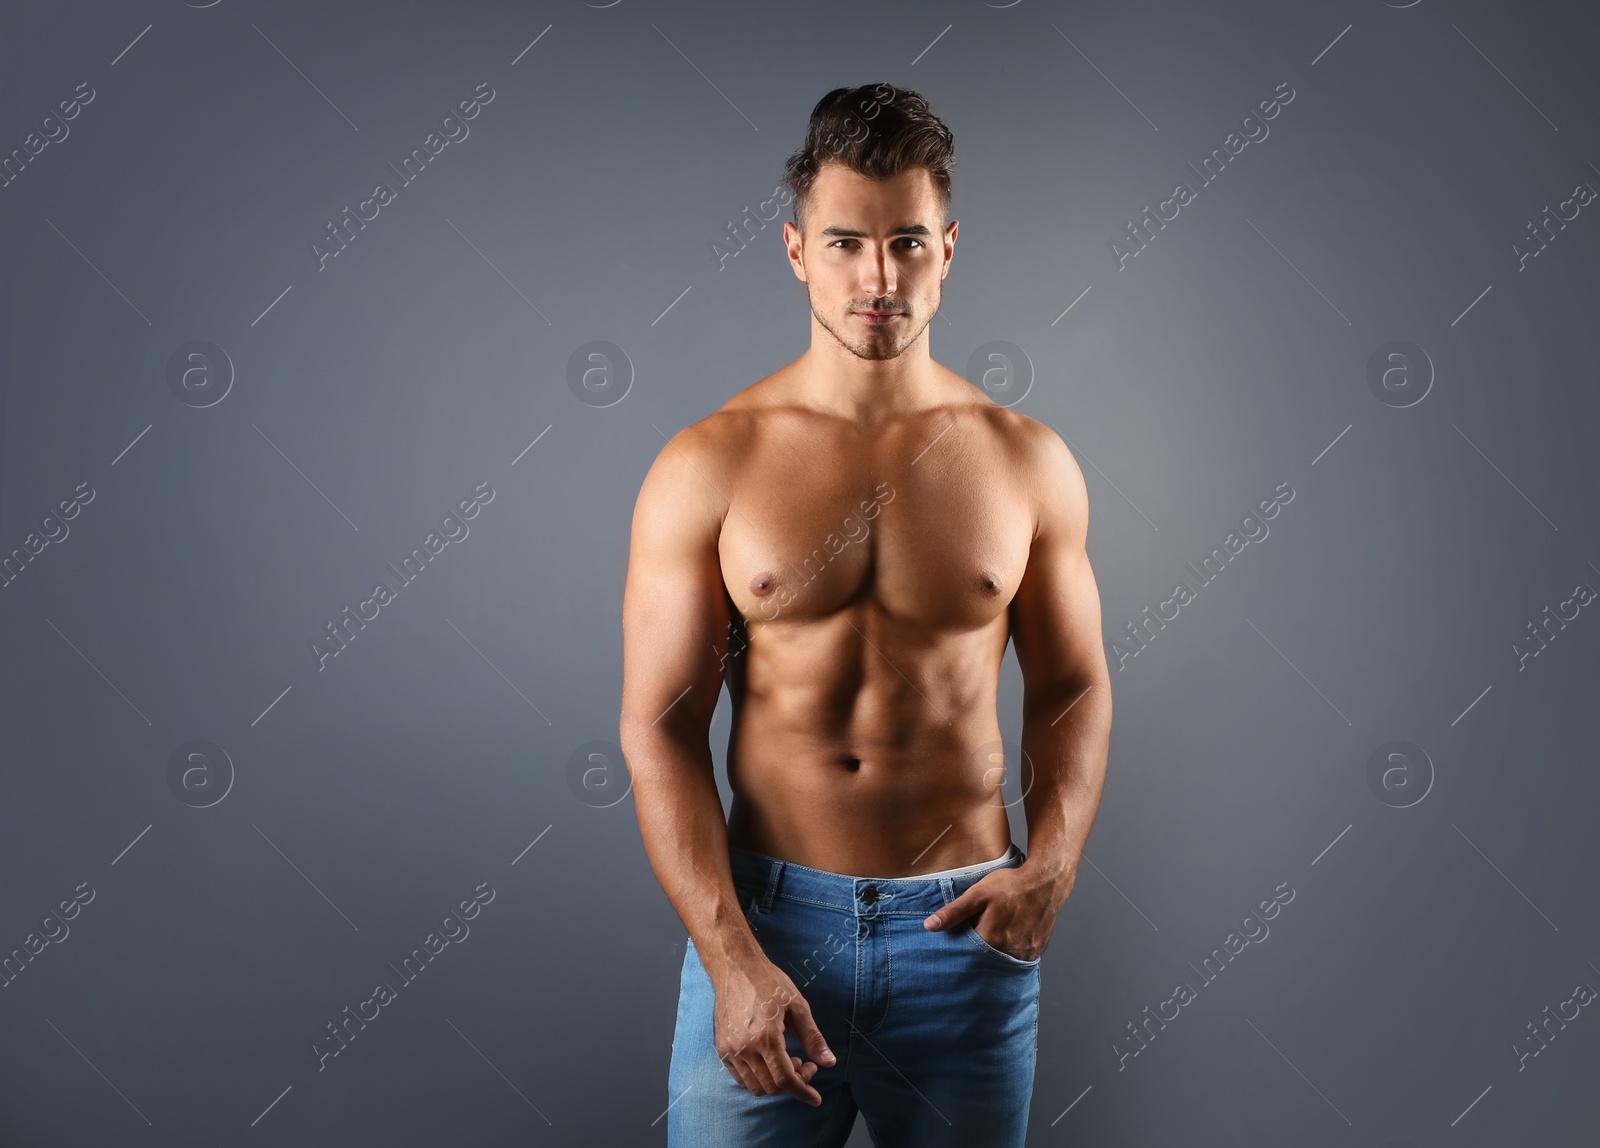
x: 934, y: 1032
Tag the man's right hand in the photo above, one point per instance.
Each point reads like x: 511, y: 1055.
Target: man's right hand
x: 756, y: 1002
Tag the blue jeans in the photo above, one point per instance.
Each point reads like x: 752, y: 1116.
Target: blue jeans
x: 934, y: 1032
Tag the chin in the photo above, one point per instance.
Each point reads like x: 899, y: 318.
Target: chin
x: 878, y: 351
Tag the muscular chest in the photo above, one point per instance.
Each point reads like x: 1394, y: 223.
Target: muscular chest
x: 942, y: 544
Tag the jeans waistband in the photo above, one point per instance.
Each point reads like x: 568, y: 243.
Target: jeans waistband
x: 768, y: 879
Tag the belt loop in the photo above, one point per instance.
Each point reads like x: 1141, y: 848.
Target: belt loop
x: 771, y: 891
x: 947, y: 887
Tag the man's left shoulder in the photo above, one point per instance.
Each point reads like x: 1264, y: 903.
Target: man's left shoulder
x: 1037, y: 447
x: 1043, y: 465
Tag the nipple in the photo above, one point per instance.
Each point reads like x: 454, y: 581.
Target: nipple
x: 761, y: 585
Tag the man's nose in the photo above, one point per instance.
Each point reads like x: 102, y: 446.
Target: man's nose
x: 878, y: 274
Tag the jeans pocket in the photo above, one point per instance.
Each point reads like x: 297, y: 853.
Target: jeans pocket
x: 999, y: 955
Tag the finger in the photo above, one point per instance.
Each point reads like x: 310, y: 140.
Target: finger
x: 790, y: 1081
x: 761, y: 1082
x: 964, y: 906
x: 738, y: 1066
x: 804, y: 1026
x: 735, y: 1070
x: 806, y: 1069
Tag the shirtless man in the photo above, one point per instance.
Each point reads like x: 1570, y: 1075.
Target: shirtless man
x: 851, y: 541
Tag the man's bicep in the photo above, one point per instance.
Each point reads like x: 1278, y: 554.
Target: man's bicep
x: 675, y: 615
x: 1056, y: 612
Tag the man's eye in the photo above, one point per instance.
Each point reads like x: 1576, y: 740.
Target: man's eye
x: 903, y: 241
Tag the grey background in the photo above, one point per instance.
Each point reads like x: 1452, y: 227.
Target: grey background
x: 379, y: 791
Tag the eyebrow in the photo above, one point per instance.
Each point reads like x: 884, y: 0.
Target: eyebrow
x: 852, y: 233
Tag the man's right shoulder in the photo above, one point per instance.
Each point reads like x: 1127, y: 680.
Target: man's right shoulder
x: 712, y: 442
x: 692, y: 478
x: 728, y: 434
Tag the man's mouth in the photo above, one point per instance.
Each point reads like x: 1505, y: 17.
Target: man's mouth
x: 878, y: 318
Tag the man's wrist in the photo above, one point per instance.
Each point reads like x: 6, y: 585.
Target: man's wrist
x: 729, y: 944
x: 1056, y: 865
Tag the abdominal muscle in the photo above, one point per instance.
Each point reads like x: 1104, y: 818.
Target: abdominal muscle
x: 838, y: 762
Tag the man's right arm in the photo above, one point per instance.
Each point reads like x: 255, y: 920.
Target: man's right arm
x: 675, y: 639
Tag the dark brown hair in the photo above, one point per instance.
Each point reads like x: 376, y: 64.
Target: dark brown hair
x: 877, y: 131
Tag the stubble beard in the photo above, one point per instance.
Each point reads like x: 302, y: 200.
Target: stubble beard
x: 876, y: 345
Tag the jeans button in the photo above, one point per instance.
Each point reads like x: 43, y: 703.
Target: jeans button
x: 869, y: 895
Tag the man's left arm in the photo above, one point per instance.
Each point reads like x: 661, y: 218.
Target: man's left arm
x: 1066, y: 716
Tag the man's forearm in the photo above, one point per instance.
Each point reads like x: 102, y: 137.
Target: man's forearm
x: 686, y: 838
x: 1068, y: 751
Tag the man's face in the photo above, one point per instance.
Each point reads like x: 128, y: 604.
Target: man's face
x: 873, y: 257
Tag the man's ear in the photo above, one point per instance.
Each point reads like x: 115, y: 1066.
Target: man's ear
x: 792, y: 241
x: 950, y: 232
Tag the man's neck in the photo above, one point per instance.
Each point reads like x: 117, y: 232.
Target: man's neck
x: 867, y: 391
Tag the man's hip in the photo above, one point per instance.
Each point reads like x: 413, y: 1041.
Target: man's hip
x: 935, y: 1031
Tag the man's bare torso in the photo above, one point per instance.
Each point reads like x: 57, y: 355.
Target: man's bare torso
x: 869, y: 572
